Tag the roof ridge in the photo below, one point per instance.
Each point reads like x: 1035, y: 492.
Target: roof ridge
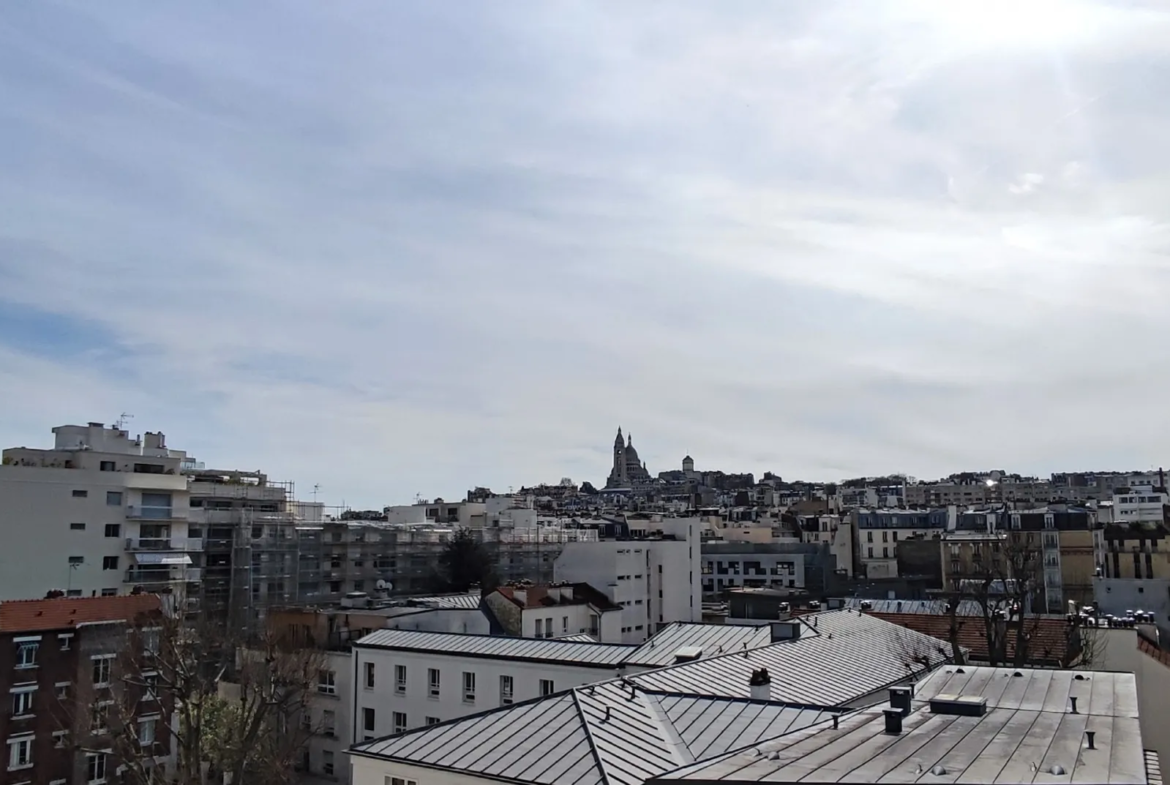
x: 589, y: 736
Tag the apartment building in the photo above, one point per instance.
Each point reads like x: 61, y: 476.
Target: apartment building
x: 556, y: 611
x: 832, y: 531
x: 96, y: 515
x: 59, y: 662
x: 1134, y: 552
x: 879, y: 531
x: 655, y: 578
x: 1069, y: 540
x: 792, y: 565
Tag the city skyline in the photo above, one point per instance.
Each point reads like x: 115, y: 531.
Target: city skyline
x: 413, y: 248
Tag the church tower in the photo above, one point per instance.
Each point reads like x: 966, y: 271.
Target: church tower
x: 617, y: 475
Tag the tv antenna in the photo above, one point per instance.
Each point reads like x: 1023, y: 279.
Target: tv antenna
x: 120, y: 423
x: 316, y: 490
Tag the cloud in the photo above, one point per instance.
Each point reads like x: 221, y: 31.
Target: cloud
x: 412, y: 247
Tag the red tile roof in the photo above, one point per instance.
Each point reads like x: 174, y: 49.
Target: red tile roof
x: 538, y: 597
x: 65, y: 612
x: 1048, y: 645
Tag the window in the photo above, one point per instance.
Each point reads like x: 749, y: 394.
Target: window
x: 26, y: 654
x: 400, y: 679
x: 433, y: 681
x: 80, y: 494
x: 95, y: 768
x: 548, y: 628
x: 113, y: 530
x: 399, y: 721
x: 20, y: 753
x: 77, y: 527
x: 327, y: 762
x: 146, y: 727
x: 398, y: 781
x: 109, y: 562
x: 101, y: 670
x: 468, y: 687
x: 564, y: 624
x: 327, y: 682
x: 546, y: 687
x: 368, y: 720
x: 99, y: 718
x: 76, y: 560
x: 151, y: 640
x: 114, y: 498
x: 62, y: 690
x: 328, y: 722
x: 869, y: 536
x: 885, y: 552
x: 22, y: 702
x: 432, y: 720
x: 506, y: 687
x: 109, y: 592
x: 150, y: 687
x: 60, y: 739
x: 369, y: 675
x: 73, y: 592
x: 869, y: 552
x: 107, y: 466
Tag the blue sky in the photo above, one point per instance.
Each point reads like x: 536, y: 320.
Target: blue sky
x: 412, y: 247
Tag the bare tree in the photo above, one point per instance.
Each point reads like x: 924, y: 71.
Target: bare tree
x: 216, y: 708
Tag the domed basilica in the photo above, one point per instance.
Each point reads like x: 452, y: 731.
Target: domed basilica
x: 627, y: 471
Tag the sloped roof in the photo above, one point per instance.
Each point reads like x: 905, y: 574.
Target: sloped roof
x: 538, y: 597
x: 1048, y: 636
x: 603, y: 734
x: 713, y: 639
x: 66, y: 612
x: 839, y: 657
x: 599, y: 655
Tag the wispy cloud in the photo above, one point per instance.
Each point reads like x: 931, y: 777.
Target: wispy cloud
x: 413, y: 247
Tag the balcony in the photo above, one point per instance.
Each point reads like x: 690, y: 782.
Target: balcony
x: 135, y: 512
x: 179, y: 575
x: 163, y: 544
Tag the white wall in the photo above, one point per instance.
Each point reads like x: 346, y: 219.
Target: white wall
x: 368, y: 771
x: 37, y: 507
x: 417, y: 703
x: 472, y: 622
x: 1118, y: 651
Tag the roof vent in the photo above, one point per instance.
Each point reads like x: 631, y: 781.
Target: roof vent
x: 1057, y: 770
x: 893, y: 721
x: 1017, y: 675
x: 1090, y: 738
x: 1080, y: 677
x: 939, y: 771
x: 688, y: 654
x: 1073, y: 700
x: 959, y: 705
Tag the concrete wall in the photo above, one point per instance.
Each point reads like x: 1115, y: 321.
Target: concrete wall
x: 341, y: 704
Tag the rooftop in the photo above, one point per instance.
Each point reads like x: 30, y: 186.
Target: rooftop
x: 595, y: 655
x: 557, y: 594
x: 66, y: 612
x: 838, y: 658
x: 1029, y: 732
x: 712, y: 639
x: 604, y: 734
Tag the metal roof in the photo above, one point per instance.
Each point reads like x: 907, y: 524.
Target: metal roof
x: 844, y: 657
x: 467, y: 602
x: 593, y: 655
x: 603, y: 734
x: 1028, y: 734
x: 713, y: 639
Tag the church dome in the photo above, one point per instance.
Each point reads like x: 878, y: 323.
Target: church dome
x: 631, y: 454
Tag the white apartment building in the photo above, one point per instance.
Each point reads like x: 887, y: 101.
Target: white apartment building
x: 1139, y: 504
x: 97, y: 514
x: 329, y: 717
x: 408, y: 679
x: 656, y: 580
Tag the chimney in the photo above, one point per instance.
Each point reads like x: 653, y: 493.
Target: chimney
x: 521, y: 596
x: 1090, y: 737
x: 785, y: 630
x: 761, y: 685
x: 893, y: 721
x: 900, y: 699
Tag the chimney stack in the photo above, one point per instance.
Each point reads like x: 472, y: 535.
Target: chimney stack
x: 761, y: 685
x: 893, y: 721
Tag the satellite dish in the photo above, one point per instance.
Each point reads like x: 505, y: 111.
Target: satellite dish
x: 384, y: 585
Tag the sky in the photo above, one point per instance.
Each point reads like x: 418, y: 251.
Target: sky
x: 400, y: 248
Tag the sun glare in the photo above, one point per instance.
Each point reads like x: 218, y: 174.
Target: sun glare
x: 1010, y: 22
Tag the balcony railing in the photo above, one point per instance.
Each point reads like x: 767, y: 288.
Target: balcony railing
x: 155, y: 513
x: 163, y: 544
x: 176, y: 575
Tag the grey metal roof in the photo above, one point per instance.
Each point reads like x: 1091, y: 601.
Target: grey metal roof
x: 845, y: 656
x: 603, y: 734
x: 593, y: 655
x: 579, y: 637
x: 1027, y: 731
x: 925, y: 607
x: 713, y: 639
x: 467, y: 602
